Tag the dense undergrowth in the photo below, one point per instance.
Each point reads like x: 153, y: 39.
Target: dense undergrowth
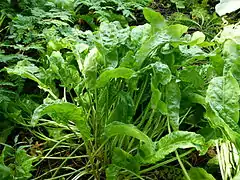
x: 117, y: 89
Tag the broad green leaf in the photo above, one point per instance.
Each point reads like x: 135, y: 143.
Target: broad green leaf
x: 90, y: 67
x: 156, y: 96
x: 140, y: 34
x: 227, y: 6
x: 171, y: 142
x: 124, y: 110
x: 218, y: 63
x: 161, y: 73
x: 223, y: 106
x: 107, y: 75
x: 128, y: 60
x: 23, y: 164
x: 118, y: 128
x: 235, y: 69
x: 156, y: 20
x: 199, y: 173
x: 150, y: 45
x: 112, y: 172
x: 176, y: 30
x: 28, y: 70
x: 175, y: 140
x: 191, y: 76
x: 156, y: 102
x: 230, y: 55
x: 126, y: 161
x: 173, y: 98
x: 196, y: 98
x: 25, y: 69
x: 222, y: 97
x: 63, y: 112
x: 197, y: 38
x: 19, y: 164
x: 5, y: 173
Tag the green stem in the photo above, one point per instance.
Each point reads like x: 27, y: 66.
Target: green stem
x: 178, y: 158
x: 166, y: 162
x: 65, y: 160
x: 141, y: 93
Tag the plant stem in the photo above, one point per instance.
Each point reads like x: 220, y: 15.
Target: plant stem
x: 178, y: 158
x: 165, y: 162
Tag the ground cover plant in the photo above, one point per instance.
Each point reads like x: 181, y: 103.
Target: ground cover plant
x: 115, y: 90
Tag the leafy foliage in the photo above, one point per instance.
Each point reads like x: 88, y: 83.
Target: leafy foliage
x: 121, y: 101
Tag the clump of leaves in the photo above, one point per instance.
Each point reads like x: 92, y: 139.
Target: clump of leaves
x: 111, y: 78
x: 15, y: 164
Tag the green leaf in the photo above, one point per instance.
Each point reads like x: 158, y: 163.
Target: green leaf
x: 197, y: 38
x: 124, y: 110
x: 191, y: 76
x: 63, y: 112
x: 140, y: 34
x: 222, y: 97
x: 28, y: 70
x: 199, y: 173
x: 156, y: 20
x: 25, y: 69
x: 19, y: 164
x: 175, y: 140
x: 118, y: 128
x: 23, y: 164
x: 173, y: 98
x: 223, y: 106
x: 90, y: 67
x: 125, y: 160
x: 5, y: 173
x: 150, y: 45
x: 112, y: 172
x: 227, y: 6
x: 196, y: 98
x: 177, y: 30
x: 156, y: 102
x: 235, y: 69
x: 161, y: 73
x: 107, y: 75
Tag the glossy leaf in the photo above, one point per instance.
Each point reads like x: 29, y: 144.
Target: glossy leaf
x: 90, y: 67
x: 197, y: 38
x: 191, y: 76
x: 173, y: 98
x: 140, y: 34
x: 176, y: 30
x: 175, y: 140
x: 222, y: 97
x: 199, y: 173
x: 118, y: 128
x: 150, y: 45
x: 161, y: 73
x: 25, y: 69
x: 107, y: 75
x: 125, y: 160
x: 124, y: 109
x: 155, y: 18
x: 63, y: 112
